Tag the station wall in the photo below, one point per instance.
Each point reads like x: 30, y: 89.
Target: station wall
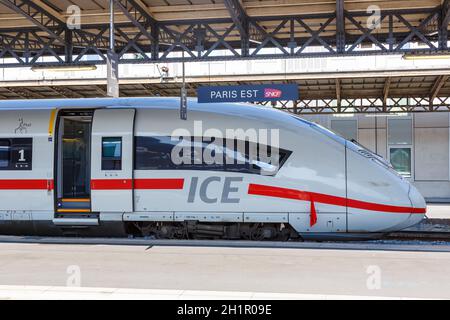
x: 417, y: 145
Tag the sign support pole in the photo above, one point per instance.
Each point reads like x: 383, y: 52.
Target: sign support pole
x: 183, y: 98
x: 112, y: 59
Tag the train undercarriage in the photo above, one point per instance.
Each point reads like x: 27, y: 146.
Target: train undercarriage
x: 185, y: 230
x: 226, y: 231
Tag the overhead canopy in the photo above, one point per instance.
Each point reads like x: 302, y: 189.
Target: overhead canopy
x: 157, y: 30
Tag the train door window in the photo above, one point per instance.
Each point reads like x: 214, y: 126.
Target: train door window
x: 74, y: 156
x: 111, y: 153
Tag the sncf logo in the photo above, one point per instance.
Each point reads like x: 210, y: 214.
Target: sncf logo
x: 272, y: 93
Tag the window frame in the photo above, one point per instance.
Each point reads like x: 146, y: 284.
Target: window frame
x: 17, y: 144
x: 113, y: 159
x: 398, y: 145
x: 403, y: 146
x: 246, y: 168
x: 7, y: 141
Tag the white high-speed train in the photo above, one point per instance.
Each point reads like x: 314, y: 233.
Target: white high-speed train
x: 104, y: 167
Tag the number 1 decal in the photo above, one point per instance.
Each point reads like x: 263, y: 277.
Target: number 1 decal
x: 22, y: 155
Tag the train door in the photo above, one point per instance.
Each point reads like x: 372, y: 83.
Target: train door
x: 112, y: 160
x: 73, y: 177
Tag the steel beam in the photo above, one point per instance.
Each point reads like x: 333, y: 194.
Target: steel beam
x: 241, y: 21
x: 444, y: 21
x: 37, y: 15
x: 363, y: 106
x: 446, y: 13
x: 338, y: 92
x: 238, y: 15
x: 440, y: 81
x: 340, y: 26
x: 387, y: 85
x: 309, y: 35
x: 137, y: 16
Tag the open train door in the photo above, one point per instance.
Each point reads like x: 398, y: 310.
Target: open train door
x: 112, y: 160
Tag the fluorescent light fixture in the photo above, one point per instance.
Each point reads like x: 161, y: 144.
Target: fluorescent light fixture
x: 64, y: 68
x: 387, y: 114
x: 344, y: 115
x: 254, y: 41
x: 426, y: 56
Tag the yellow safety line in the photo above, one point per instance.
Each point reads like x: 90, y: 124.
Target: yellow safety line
x: 51, y: 124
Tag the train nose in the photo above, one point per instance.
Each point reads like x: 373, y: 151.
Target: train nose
x: 417, y: 199
x: 419, y: 205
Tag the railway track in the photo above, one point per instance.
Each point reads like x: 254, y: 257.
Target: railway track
x: 429, y: 230
x: 419, y: 236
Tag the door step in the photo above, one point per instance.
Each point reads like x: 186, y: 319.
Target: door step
x: 76, y: 221
x: 74, y: 206
x: 73, y: 210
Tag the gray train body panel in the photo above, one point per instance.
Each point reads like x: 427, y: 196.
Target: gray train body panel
x: 58, y: 179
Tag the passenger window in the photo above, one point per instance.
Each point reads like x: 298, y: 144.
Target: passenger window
x: 111, y: 154
x: 155, y: 153
x: 16, y: 154
x: 5, y: 153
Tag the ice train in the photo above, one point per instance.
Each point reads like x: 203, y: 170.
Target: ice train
x: 103, y: 167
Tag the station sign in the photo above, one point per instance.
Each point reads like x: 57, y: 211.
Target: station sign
x: 247, y: 93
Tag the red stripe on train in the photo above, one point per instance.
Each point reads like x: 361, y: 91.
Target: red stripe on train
x: 28, y: 184
x: 97, y: 184
x: 138, y: 184
x: 155, y: 184
x: 269, y: 191
x: 178, y: 184
x: 112, y: 184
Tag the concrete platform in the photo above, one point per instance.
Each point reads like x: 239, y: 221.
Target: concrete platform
x: 438, y: 210
x: 79, y: 293
x: 230, y: 272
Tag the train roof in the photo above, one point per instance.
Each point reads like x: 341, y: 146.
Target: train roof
x: 172, y: 103
x: 138, y: 103
x: 250, y: 111
x: 150, y: 102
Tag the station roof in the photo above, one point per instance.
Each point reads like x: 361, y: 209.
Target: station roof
x: 154, y: 29
x: 97, y: 11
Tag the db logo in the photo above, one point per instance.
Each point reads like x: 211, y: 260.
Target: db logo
x: 272, y: 93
